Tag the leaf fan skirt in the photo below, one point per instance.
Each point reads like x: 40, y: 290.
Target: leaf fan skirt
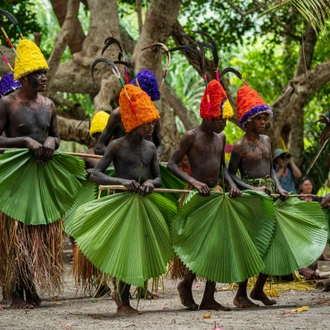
x: 300, y: 236
x: 38, y: 194
x: 222, y: 239
x: 87, y: 194
x: 126, y: 235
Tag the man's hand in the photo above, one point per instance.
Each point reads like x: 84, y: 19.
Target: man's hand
x: 234, y: 192
x: 326, y: 201
x: 146, y: 188
x: 48, y: 150
x: 36, y: 147
x: 203, y: 188
x: 131, y: 185
x: 283, y: 193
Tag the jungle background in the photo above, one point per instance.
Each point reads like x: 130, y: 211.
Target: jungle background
x: 280, y: 53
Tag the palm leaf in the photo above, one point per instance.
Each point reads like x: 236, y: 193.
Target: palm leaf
x: 222, y: 239
x: 314, y: 11
x: 125, y: 235
x: 172, y: 182
x: 43, y: 192
x: 87, y: 193
x: 299, y: 239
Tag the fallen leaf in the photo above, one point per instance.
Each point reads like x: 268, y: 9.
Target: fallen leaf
x: 57, y: 303
x: 206, y: 316
x: 300, y: 309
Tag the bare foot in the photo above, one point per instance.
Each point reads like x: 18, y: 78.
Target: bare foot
x: 324, y: 257
x: 124, y: 308
x: 5, y: 301
x: 20, y: 303
x: 33, y: 299
x: 212, y: 304
x: 186, y: 297
x: 145, y: 294
x: 260, y: 295
x: 244, y: 302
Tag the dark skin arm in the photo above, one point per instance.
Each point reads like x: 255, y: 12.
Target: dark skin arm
x: 157, y: 140
x: 326, y: 201
x: 132, y: 185
x: 173, y: 164
x: 113, y: 123
x: 233, y: 190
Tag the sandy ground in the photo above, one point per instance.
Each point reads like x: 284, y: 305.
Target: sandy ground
x: 73, y: 311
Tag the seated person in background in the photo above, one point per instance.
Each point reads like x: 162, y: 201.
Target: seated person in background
x: 306, y: 187
x: 184, y: 165
x: 286, y: 170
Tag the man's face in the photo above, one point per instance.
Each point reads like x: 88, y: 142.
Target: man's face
x: 38, y: 80
x: 257, y: 123
x: 146, y: 130
x: 218, y: 124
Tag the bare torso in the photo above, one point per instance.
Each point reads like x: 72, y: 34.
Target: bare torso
x: 205, y: 156
x: 254, y: 157
x: 27, y: 118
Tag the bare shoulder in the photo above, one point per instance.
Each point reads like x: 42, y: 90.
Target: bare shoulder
x: 46, y: 102
x: 265, y: 138
x: 222, y: 136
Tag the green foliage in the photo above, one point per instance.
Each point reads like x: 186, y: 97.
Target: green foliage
x: 25, y: 13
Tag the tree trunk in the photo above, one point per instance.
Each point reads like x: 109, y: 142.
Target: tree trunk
x: 60, y: 9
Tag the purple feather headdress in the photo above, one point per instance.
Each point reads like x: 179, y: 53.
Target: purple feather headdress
x: 8, y: 84
x: 148, y: 84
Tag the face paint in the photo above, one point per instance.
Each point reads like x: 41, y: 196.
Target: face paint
x: 34, y: 78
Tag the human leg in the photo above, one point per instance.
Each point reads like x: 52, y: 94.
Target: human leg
x: 258, y: 294
x: 208, y: 301
x: 241, y: 299
x: 121, y: 296
x: 185, y: 291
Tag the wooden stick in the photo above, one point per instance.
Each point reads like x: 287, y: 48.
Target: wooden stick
x: 186, y: 191
x: 119, y: 187
x: 317, y: 156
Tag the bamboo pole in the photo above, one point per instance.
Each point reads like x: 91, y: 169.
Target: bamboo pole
x: 186, y: 191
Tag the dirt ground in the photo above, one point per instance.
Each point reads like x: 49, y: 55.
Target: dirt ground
x: 73, y: 311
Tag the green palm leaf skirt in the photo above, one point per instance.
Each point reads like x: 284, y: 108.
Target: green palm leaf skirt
x: 223, y: 239
x: 88, y: 193
x: 299, y: 239
x: 170, y: 181
x: 43, y: 192
x: 126, y: 235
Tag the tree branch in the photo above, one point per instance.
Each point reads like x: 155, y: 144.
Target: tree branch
x: 62, y: 40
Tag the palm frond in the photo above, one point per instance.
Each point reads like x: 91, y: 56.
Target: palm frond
x: 221, y: 238
x: 313, y: 11
x: 299, y: 239
x: 172, y: 182
x: 125, y: 235
x: 37, y: 194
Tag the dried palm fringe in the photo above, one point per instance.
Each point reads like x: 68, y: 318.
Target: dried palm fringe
x: 39, y: 255
x: 87, y: 277
x: 176, y: 268
x: 32, y: 254
x: 8, y: 267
